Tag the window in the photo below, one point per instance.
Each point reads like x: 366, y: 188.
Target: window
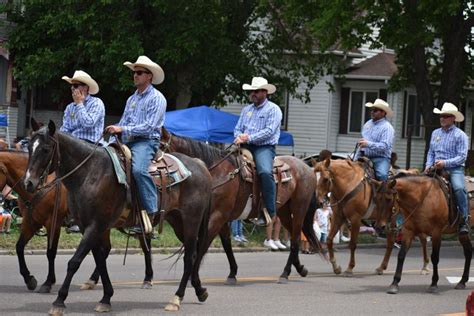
x: 413, y: 117
x: 358, y: 113
x: 281, y: 98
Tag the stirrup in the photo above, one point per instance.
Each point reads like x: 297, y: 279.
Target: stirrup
x: 147, y: 226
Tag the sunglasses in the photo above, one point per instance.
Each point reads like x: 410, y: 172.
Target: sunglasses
x: 141, y: 72
x: 77, y: 85
x: 446, y: 116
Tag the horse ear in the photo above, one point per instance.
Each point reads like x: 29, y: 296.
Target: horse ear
x: 392, y: 183
x: 314, y: 163
x: 164, y: 133
x: 327, y: 162
x: 34, y: 125
x: 51, y: 128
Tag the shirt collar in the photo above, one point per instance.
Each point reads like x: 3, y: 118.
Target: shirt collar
x: 261, y: 106
x: 146, y: 91
x: 379, y: 121
x: 451, y: 128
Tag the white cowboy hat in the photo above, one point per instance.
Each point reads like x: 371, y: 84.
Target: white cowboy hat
x: 380, y: 104
x: 449, y: 108
x: 83, y: 77
x: 259, y: 83
x: 145, y: 62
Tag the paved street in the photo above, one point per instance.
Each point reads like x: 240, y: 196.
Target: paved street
x: 321, y: 293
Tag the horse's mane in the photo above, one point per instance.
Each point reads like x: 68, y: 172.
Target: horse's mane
x: 203, y: 151
x: 410, y: 175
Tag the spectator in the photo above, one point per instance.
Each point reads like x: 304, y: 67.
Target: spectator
x: 322, y: 215
x: 275, y: 228
x: 237, y: 231
x: 5, y: 220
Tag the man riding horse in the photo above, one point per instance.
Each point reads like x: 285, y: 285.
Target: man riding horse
x: 140, y: 126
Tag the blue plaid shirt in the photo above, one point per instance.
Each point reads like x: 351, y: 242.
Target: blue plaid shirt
x: 379, y: 135
x: 144, y: 115
x: 85, y: 120
x: 261, y: 123
x: 448, y: 145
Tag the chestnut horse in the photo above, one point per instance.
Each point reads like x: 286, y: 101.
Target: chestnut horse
x: 97, y: 200
x: 37, y: 214
x: 425, y: 210
x: 231, y: 193
x: 351, y: 199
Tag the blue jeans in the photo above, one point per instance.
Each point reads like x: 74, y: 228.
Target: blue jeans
x: 381, y: 168
x: 456, y: 176
x: 143, y: 151
x: 236, y: 226
x: 263, y: 156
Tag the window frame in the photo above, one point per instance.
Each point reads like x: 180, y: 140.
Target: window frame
x: 364, y: 101
x: 421, y: 123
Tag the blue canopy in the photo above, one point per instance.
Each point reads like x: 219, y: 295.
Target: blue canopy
x: 207, y: 124
x: 3, y: 120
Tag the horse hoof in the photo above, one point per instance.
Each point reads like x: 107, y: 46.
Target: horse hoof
x: 103, y: 308
x: 231, y: 281
x: 32, y: 283
x: 348, y: 273
x: 433, y: 289
x: 88, y: 285
x: 44, y: 289
x: 393, y: 289
x: 56, y: 311
x: 460, y: 286
x: 338, y: 270
x: 203, y: 296
x: 173, y: 305
x: 283, y: 280
x: 303, y: 272
x: 425, y: 272
x: 379, y: 271
x: 147, y: 285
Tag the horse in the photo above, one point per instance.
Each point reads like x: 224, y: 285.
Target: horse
x: 36, y: 211
x: 425, y: 209
x: 351, y: 197
x: 231, y: 192
x: 97, y: 200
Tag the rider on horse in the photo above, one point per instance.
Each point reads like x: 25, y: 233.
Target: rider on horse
x: 140, y: 126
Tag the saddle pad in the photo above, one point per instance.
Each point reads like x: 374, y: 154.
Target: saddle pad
x: 174, y: 178
x: 119, y: 172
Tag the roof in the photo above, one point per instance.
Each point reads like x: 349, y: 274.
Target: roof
x: 380, y: 66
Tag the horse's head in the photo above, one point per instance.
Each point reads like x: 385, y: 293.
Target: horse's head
x: 43, y: 155
x: 385, y: 201
x: 324, y: 180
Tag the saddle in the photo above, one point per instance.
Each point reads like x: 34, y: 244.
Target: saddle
x: 442, y: 178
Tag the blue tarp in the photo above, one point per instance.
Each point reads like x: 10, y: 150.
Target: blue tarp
x: 3, y: 120
x: 207, y: 124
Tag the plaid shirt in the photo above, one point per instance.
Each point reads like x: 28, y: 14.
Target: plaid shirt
x: 448, y: 145
x: 85, y: 120
x: 379, y: 135
x: 144, y: 115
x: 261, y: 123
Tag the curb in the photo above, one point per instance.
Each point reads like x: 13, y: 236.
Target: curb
x: 236, y: 249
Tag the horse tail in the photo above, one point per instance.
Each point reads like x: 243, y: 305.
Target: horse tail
x: 308, y: 229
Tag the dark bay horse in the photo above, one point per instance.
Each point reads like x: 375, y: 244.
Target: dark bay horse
x: 97, y: 200
x: 12, y: 167
x: 351, y: 196
x: 425, y: 210
x: 231, y: 193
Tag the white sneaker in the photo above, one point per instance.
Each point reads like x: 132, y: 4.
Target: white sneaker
x: 345, y: 239
x: 287, y: 243
x: 279, y: 244
x: 270, y: 244
x: 237, y: 239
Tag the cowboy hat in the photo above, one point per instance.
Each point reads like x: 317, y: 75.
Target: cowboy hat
x: 85, y: 78
x: 259, y: 83
x: 145, y: 62
x: 380, y: 104
x: 449, y: 108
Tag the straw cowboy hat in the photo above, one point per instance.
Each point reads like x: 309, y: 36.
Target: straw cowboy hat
x: 449, y: 108
x: 380, y: 104
x: 259, y: 83
x: 83, y: 77
x: 145, y: 62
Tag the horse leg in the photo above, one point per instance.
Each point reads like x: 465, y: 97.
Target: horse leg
x: 467, y: 247
x: 426, y: 260
x: 338, y: 221
x: 388, y: 250
x: 190, y: 244
x: 73, y: 265
x: 51, y: 254
x: 435, y: 245
x: 294, y: 246
x: 100, y: 254
x: 25, y: 236
x: 355, y: 227
x: 147, y: 282
x: 224, y: 234
x: 406, y: 243
x: 94, y: 278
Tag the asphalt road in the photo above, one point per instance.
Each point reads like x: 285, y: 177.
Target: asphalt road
x: 257, y: 293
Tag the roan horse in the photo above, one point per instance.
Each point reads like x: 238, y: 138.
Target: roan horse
x: 97, y: 199
x: 231, y: 193
x: 351, y: 196
x: 425, y: 210
x: 37, y: 211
